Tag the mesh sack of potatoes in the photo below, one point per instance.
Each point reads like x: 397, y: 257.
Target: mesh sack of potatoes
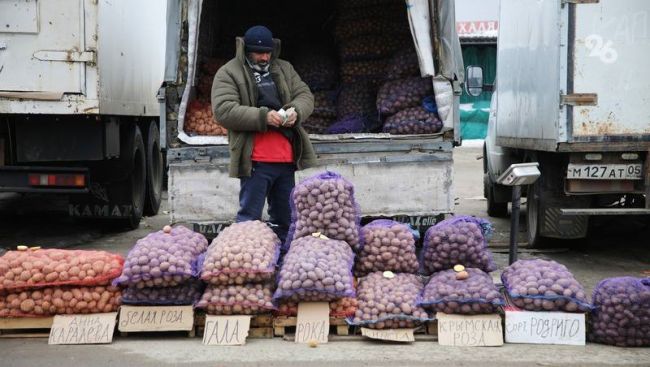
x: 316, y: 269
x: 246, y: 299
x: 165, y: 258
x: 244, y: 252
x: 184, y: 294
x: 371, y: 72
x: 393, y: 21
x: 52, y: 267
x: 621, y: 314
x: 317, y: 125
x: 468, y: 291
x: 396, y: 95
x: 413, y: 120
x: 403, y: 64
x: 317, y: 67
x: 387, y: 245
x: 325, y: 203
x: 389, y: 301
x: 544, y: 285
x: 200, y: 121
x: 343, y: 307
x: 357, y: 99
x: 63, y: 300
x: 459, y: 240
x: 370, y: 47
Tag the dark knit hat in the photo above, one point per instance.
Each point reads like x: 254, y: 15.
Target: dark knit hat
x: 258, y: 39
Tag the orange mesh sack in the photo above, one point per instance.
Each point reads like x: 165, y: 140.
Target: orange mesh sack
x: 60, y: 301
x: 53, y: 267
x: 343, y: 307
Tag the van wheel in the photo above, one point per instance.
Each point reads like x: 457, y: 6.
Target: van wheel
x: 132, y: 191
x: 494, y: 209
x: 154, y: 169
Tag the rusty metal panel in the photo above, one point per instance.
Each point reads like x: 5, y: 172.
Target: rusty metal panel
x: 529, y: 74
x: 612, y: 44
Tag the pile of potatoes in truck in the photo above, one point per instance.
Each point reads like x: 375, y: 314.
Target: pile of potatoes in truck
x: 357, y: 58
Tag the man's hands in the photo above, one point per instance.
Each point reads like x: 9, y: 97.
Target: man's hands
x: 273, y: 118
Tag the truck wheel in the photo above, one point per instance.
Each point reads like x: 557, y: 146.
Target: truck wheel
x: 534, y: 217
x: 154, y: 170
x: 134, y: 188
x: 494, y: 209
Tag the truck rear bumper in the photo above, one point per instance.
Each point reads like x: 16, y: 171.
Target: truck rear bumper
x: 17, y: 179
x: 605, y: 211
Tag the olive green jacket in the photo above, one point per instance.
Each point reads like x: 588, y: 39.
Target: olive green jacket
x: 234, y: 100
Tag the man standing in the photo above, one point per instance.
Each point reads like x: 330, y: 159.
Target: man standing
x: 250, y: 95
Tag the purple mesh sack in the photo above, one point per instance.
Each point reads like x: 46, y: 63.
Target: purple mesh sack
x: 370, y: 47
x: 399, y: 94
x: 387, y: 245
x: 544, y: 285
x: 348, y: 125
x: 316, y: 269
x: 404, y: 64
x: 357, y: 100
x: 317, y: 125
x: 458, y: 240
x: 244, y: 252
x: 185, y: 294
x: 247, y: 299
x: 389, y: 301
x: 448, y: 293
x: 163, y: 259
x: 621, y: 314
x: 371, y: 72
x: 325, y: 203
x: 413, y: 120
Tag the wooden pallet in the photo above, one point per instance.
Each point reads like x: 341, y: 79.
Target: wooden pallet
x: 25, y: 327
x: 284, y: 325
x: 261, y: 326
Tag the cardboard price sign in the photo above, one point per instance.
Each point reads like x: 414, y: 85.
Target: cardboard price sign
x: 394, y: 335
x: 83, y: 329
x: 313, y: 322
x: 469, y: 331
x: 545, y: 328
x: 226, y: 330
x: 156, y: 318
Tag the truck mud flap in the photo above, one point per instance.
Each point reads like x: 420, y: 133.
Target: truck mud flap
x: 100, y: 203
x: 557, y: 225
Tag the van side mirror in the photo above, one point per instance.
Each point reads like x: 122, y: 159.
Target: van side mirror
x: 474, y: 80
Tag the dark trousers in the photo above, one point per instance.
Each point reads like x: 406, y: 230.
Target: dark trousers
x: 272, y: 182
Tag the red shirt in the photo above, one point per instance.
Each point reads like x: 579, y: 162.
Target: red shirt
x: 272, y: 147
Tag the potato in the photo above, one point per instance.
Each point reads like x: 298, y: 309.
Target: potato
x: 317, y: 125
x: 343, y: 307
x: 387, y: 245
x: 325, y: 203
x: 621, y: 313
x: 473, y: 295
x: 200, y: 121
x: 163, y: 259
x: 371, y: 72
x: 247, y: 299
x: 21, y: 270
x: 317, y: 67
x: 371, y: 47
x: 316, y: 269
x: 396, y: 95
x: 185, y: 294
x: 245, y: 252
x: 404, y: 64
x: 459, y: 240
x: 413, y: 120
x: 60, y: 301
x: 544, y: 285
x: 325, y: 104
x: 357, y: 99
x: 389, y: 302
x: 207, y: 70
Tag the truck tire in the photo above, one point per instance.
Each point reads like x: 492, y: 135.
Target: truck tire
x: 154, y: 170
x: 494, y: 208
x: 133, y: 189
x: 534, y: 217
